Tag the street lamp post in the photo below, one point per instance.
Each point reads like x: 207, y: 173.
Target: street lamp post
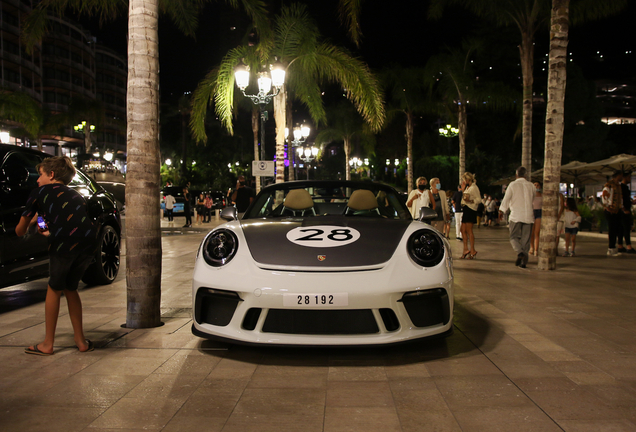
x: 86, y: 129
x: 264, y: 97
x: 300, y: 135
x: 307, y: 154
x: 448, y: 132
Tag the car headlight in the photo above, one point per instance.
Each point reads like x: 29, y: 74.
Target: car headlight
x: 426, y: 248
x: 220, y: 247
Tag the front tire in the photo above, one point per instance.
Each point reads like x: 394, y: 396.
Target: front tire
x: 105, y: 268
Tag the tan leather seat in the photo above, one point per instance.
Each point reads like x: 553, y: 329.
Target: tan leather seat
x: 298, y: 200
x: 362, y: 200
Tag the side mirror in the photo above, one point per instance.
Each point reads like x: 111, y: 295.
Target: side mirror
x: 229, y: 214
x: 427, y: 214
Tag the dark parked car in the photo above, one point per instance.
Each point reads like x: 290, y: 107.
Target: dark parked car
x: 219, y: 199
x: 26, y: 258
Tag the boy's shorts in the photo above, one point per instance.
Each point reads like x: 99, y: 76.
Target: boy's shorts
x: 66, y: 271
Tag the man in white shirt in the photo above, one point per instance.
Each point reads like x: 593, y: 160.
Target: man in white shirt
x: 169, y: 201
x: 518, y: 199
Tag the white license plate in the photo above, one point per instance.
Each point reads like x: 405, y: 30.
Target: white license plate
x: 315, y: 300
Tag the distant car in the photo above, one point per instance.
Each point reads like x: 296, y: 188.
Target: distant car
x: 323, y: 263
x: 26, y: 258
x: 177, y: 193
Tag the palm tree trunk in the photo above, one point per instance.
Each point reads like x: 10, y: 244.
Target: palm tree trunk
x: 527, y: 60
x: 256, y: 118
x: 290, y: 147
x: 280, y: 105
x: 554, y: 133
x: 143, y: 235
x: 462, y: 124
x: 409, y: 150
x: 347, y: 149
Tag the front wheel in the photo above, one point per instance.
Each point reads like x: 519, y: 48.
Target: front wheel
x: 105, y: 268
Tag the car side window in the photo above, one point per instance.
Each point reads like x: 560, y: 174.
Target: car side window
x: 25, y: 164
x: 19, y: 178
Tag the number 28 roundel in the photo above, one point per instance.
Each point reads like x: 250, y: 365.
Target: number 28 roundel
x: 323, y: 236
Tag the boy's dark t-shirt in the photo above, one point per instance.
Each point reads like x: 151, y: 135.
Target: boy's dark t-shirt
x: 71, y: 229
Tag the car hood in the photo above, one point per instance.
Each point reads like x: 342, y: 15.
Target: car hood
x: 323, y: 242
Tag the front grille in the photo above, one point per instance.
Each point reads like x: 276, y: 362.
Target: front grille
x: 215, y: 307
x: 427, y: 308
x: 320, y: 322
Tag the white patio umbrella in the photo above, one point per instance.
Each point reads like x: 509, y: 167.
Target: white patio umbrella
x: 623, y: 162
x: 575, y: 172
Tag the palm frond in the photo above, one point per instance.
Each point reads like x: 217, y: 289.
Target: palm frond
x: 296, y: 32
x: 183, y: 13
x: 359, y: 83
x: 590, y: 10
x: 257, y: 11
x: 100, y: 8
x: 21, y: 109
x: 201, y: 98
x: 349, y: 14
x: 34, y: 27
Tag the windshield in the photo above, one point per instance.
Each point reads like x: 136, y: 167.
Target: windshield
x: 316, y: 199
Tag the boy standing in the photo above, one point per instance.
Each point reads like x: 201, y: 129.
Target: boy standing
x: 72, y: 238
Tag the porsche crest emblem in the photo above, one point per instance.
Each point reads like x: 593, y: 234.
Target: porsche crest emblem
x: 322, y: 257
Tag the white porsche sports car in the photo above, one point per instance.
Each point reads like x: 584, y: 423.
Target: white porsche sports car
x: 323, y: 263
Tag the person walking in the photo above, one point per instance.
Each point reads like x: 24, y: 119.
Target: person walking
x: 441, y: 205
x: 572, y: 219
x: 471, y: 199
x: 537, y: 204
x: 187, y: 207
x: 200, y: 209
x: 627, y: 219
x: 518, y: 199
x: 612, y: 204
x: 209, y: 202
x: 457, y: 204
x: 419, y: 198
x: 491, y: 210
x: 72, y: 237
x: 169, y: 202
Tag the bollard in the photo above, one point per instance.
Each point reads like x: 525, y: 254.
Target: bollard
x: 161, y: 214
x: 217, y: 214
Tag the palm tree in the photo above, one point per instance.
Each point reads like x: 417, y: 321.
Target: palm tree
x: 452, y: 76
x: 407, y: 94
x: 143, y: 235
x: 527, y: 16
x: 21, y: 110
x: 309, y: 63
x: 345, y: 124
x: 548, y: 239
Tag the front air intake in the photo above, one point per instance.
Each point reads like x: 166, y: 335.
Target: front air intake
x: 215, y: 307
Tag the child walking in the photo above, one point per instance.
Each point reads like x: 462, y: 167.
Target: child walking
x: 72, y: 236
x: 572, y: 219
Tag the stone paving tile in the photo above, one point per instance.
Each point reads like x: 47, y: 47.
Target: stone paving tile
x: 505, y: 419
x: 533, y: 351
x: 345, y: 419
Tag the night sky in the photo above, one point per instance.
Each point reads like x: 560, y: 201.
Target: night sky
x: 399, y: 35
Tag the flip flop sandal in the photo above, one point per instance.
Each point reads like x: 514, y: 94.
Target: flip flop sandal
x: 36, y: 351
x: 91, y: 346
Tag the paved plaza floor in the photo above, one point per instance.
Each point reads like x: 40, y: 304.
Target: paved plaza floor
x: 531, y: 351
